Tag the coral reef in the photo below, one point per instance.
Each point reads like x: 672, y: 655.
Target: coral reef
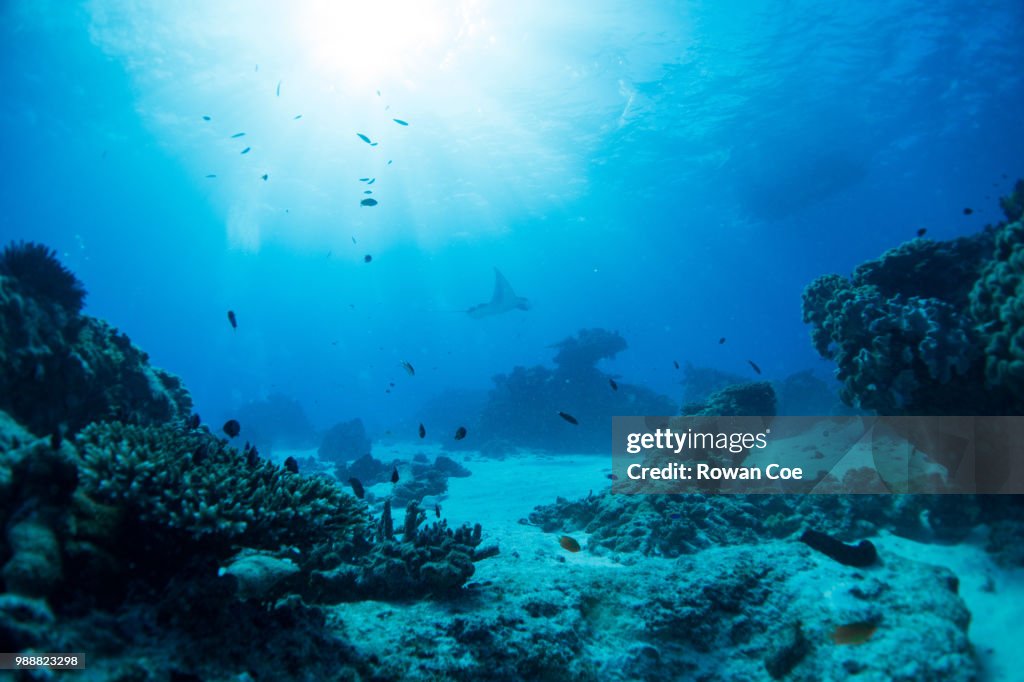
x: 522, y: 408
x: 433, y: 559
x: 36, y: 273
x: 741, y: 400
x: 344, y: 441
x: 187, y: 484
x: 930, y: 327
x: 60, y: 370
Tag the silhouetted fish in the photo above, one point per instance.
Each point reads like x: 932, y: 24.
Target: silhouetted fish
x: 297, y: 117
x: 232, y: 428
x: 676, y: 363
x: 193, y: 421
x: 357, y: 488
x: 409, y: 368
x: 291, y: 465
x: 394, y: 475
x: 568, y: 417
x: 368, y: 191
x: 278, y: 88
x: 922, y: 232
x: 754, y: 365
x: 265, y: 176
x: 399, y: 121
x: 423, y: 431
x: 437, y: 510
x: 232, y: 319
x: 460, y: 433
x: 364, y: 179
x: 368, y: 202
x: 721, y: 341
x: 364, y: 138
x: 211, y: 175
x: 367, y: 258
x: 371, y: 181
x: 615, y: 386
x: 206, y: 118
x: 246, y: 150
x: 237, y: 135
x: 569, y: 544
x: 968, y: 211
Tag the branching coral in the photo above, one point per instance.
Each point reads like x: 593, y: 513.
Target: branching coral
x: 39, y: 274
x: 189, y: 483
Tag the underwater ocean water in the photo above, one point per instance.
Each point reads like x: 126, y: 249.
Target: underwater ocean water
x: 316, y: 317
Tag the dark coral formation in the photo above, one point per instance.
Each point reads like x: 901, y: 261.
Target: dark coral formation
x: 741, y: 400
x: 522, y: 408
x: 344, y: 442
x: 60, y: 370
x: 432, y: 559
x: 36, y: 272
x: 930, y: 327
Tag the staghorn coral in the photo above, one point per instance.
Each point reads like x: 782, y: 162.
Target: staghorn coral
x: 37, y: 273
x: 190, y: 484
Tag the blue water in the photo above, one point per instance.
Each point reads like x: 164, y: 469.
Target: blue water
x: 674, y: 171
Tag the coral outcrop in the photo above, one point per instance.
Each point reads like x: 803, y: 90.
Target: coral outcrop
x: 929, y: 328
x: 60, y: 370
x: 522, y: 408
x: 344, y: 442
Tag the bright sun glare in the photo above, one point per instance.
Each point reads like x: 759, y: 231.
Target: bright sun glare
x: 368, y: 41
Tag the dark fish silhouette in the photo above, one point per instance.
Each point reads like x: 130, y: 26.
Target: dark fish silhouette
x: 922, y: 232
x: 206, y: 118
x: 237, y: 135
x: 369, y: 191
x: 246, y: 150
x: 423, y: 431
x: 232, y: 428
x: 364, y: 179
x: 232, y: 319
x: 278, y: 88
x: 569, y: 544
x: 409, y: 368
x: 291, y: 465
x: 364, y: 138
x: 211, y: 175
x: 676, y: 363
x: 400, y: 122
x: 615, y: 386
x: 968, y: 211
x: 721, y: 341
x: 437, y: 510
x: 357, y: 487
x: 394, y: 475
x: 367, y: 258
x: 460, y: 433
x: 368, y: 202
x: 297, y: 117
x: 265, y: 176
x: 568, y: 417
x: 193, y: 421
x: 754, y: 365
x: 371, y: 181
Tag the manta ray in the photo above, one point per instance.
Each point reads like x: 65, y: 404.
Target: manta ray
x: 503, y: 300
